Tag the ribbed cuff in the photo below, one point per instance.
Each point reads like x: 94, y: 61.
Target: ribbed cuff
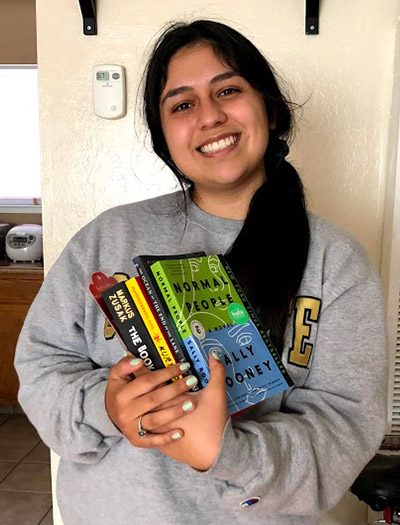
x: 95, y: 413
x: 234, y: 456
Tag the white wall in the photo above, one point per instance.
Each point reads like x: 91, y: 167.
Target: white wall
x: 345, y: 77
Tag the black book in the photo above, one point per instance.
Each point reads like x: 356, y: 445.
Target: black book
x: 130, y: 326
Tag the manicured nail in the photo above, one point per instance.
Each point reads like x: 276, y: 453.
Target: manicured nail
x: 191, y: 381
x: 216, y: 355
x: 177, y: 435
x: 187, y: 406
x: 135, y: 362
x: 126, y: 353
x: 184, y: 367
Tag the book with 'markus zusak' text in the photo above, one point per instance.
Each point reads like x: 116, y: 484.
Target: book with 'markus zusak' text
x: 131, y: 327
x: 211, y: 312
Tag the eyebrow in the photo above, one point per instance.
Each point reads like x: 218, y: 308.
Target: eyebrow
x: 183, y: 89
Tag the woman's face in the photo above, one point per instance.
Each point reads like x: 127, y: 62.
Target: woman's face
x: 215, y: 124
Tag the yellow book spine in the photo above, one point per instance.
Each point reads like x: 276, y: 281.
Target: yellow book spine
x: 150, y: 322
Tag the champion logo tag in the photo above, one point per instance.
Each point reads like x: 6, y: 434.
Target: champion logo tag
x: 250, y: 501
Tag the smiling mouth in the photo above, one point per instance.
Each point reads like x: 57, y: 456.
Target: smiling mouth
x: 220, y: 145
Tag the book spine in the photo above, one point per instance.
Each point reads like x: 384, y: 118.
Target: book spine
x: 170, y: 299
x: 160, y: 309
x: 198, y: 360
x: 102, y: 305
x: 163, y: 349
x: 195, y: 355
x: 100, y: 283
x: 255, y: 319
x: 151, y: 289
x: 130, y: 326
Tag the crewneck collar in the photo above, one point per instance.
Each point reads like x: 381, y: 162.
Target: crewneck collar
x: 208, y: 221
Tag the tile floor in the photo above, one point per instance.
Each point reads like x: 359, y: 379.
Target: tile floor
x: 25, y: 486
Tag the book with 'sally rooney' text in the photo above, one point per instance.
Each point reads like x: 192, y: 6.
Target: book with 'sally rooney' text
x: 211, y: 312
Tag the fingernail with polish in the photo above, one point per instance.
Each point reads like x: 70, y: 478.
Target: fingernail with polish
x: 135, y: 362
x: 184, y: 367
x: 187, y: 406
x: 177, y: 435
x: 216, y: 355
x: 191, y: 381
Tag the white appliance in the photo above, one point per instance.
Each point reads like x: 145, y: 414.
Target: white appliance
x: 25, y: 243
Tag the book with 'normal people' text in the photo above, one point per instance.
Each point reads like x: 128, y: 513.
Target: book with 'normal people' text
x: 211, y: 312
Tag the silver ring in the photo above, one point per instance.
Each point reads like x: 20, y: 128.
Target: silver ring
x: 142, y: 432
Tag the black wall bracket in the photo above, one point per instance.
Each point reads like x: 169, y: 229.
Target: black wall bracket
x: 312, y: 17
x: 88, y: 10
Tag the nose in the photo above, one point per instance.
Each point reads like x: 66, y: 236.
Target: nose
x: 211, y: 114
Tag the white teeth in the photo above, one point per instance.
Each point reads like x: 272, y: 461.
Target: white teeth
x: 220, y: 145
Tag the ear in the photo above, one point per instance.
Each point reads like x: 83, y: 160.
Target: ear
x: 271, y: 115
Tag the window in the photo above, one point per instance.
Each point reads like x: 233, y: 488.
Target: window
x: 19, y: 138
x: 391, y: 281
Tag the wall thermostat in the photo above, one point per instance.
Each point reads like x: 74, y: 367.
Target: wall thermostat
x: 109, y: 91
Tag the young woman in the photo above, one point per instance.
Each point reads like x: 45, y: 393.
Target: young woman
x: 146, y: 451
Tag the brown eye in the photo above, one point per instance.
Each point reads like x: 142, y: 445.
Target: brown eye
x: 182, y: 107
x: 228, y: 91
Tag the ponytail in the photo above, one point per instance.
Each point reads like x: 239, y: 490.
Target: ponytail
x: 270, y: 253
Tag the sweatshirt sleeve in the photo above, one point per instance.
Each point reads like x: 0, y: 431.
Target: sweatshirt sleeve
x: 302, y: 459
x: 61, y: 388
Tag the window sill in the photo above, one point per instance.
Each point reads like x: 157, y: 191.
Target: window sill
x: 20, y: 208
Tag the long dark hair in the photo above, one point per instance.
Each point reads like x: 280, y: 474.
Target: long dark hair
x: 270, y: 252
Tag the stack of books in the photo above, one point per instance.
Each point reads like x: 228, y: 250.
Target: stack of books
x: 180, y: 308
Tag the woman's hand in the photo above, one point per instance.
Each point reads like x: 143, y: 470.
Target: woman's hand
x: 128, y: 399
x: 204, y: 426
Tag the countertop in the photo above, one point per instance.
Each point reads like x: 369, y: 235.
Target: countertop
x: 8, y: 266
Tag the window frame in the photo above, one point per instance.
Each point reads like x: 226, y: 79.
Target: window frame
x: 20, y: 205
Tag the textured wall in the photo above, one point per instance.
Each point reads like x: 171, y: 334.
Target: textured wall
x: 344, y: 78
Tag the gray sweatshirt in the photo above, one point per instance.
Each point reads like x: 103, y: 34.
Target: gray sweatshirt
x: 297, y: 452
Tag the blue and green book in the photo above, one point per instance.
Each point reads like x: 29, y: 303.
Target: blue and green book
x: 211, y: 312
